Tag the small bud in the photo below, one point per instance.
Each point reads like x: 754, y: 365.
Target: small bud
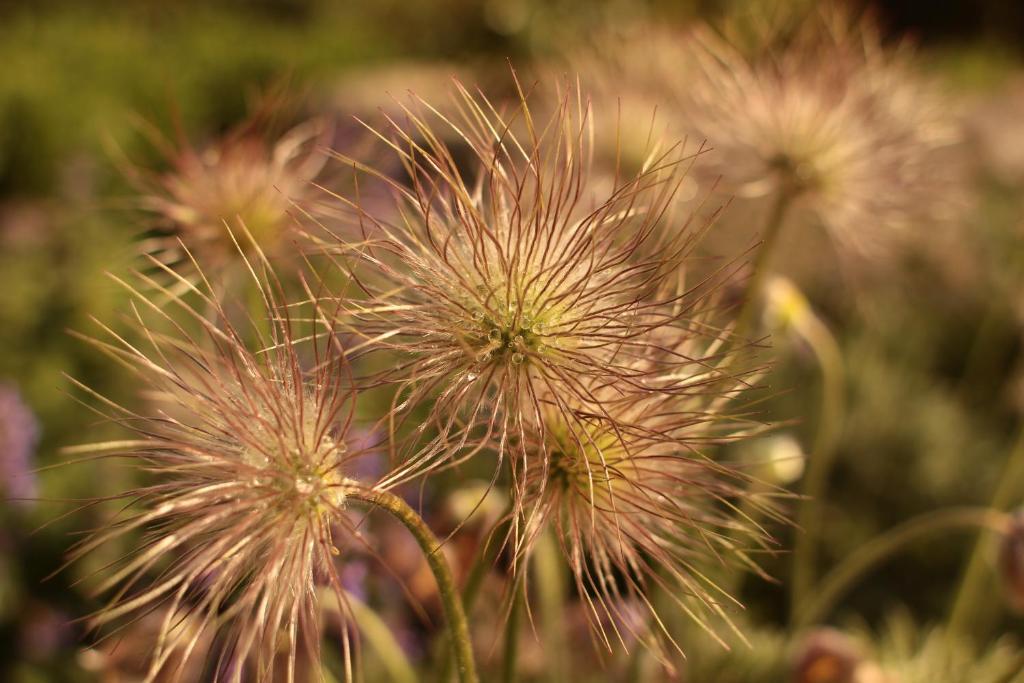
x: 785, y: 306
x: 826, y: 656
x: 777, y: 459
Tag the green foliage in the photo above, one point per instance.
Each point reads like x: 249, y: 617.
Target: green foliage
x: 911, y: 654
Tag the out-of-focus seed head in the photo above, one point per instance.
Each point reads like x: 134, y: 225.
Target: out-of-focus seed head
x: 245, y: 445
x: 631, y: 71
x: 245, y: 178
x: 826, y: 655
x: 833, y: 118
x: 1010, y: 561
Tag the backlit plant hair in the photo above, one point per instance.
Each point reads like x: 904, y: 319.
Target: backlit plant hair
x: 252, y: 174
x: 829, y: 118
x: 508, y: 277
x: 639, y: 507
x: 247, y: 449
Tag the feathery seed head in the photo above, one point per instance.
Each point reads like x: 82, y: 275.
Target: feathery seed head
x: 248, y: 460
x: 635, y: 501
x: 244, y: 177
x: 832, y: 118
x: 586, y: 461
x: 551, y: 322
x: 510, y: 276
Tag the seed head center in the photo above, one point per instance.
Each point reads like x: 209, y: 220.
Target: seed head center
x: 594, y: 459
x: 510, y: 338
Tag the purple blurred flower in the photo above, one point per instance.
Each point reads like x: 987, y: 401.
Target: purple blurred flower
x: 353, y: 577
x: 43, y: 631
x: 19, y: 435
x: 367, y: 449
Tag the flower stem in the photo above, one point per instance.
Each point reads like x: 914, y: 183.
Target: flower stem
x: 549, y: 573
x: 819, y: 462
x: 458, y: 626
x: 745, y: 321
x: 970, y: 595
x: 509, y: 663
x: 485, y: 559
x: 488, y: 555
x: 886, y: 544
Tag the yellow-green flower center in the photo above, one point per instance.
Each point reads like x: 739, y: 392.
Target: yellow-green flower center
x: 304, y: 478
x: 509, y: 338
x: 588, y: 457
x: 511, y: 331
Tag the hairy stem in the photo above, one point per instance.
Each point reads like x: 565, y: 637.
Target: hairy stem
x: 485, y: 559
x: 819, y: 462
x: 458, y: 625
x: 970, y: 595
x: 884, y: 546
x: 550, y: 581
x: 745, y: 321
x: 509, y: 669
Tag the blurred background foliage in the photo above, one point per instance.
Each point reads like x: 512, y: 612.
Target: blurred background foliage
x: 932, y: 347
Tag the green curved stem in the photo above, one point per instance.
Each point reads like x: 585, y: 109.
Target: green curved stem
x: 772, y: 229
x: 819, y: 462
x: 978, y: 363
x: 884, y: 546
x: 485, y: 559
x: 458, y: 625
x: 549, y: 578
x: 970, y: 595
x: 509, y: 668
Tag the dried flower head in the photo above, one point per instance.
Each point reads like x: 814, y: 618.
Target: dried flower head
x: 636, y: 502
x: 245, y: 177
x: 248, y: 458
x: 541, y: 320
x: 831, y: 117
x: 507, y: 278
